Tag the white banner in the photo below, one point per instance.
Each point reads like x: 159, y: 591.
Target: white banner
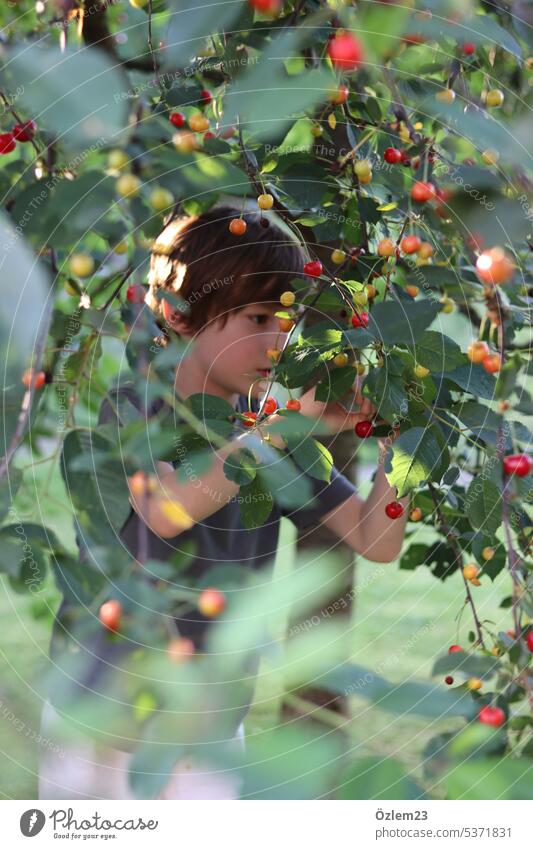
x: 259, y: 823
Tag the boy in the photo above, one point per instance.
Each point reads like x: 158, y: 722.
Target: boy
x: 229, y: 288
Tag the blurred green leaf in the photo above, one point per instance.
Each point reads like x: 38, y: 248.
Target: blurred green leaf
x: 76, y: 94
x: 378, y: 778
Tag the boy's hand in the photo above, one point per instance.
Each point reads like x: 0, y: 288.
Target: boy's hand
x: 334, y: 415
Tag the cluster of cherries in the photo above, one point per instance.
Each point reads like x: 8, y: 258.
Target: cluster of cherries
x: 23, y: 132
x: 488, y: 714
x: 211, y: 603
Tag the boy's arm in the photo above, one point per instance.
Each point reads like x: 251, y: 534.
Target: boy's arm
x: 363, y: 523
x: 199, y: 497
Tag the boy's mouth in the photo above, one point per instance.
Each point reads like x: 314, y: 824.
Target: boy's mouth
x: 264, y: 372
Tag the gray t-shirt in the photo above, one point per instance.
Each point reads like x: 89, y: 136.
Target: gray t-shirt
x: 220, y: 538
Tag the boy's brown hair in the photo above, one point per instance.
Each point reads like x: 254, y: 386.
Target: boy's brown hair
x: 211, y: 271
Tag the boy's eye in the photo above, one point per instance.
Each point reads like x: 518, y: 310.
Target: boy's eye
x: 259, y: 318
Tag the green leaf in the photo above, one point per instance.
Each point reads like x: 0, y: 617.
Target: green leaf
x: 479, y: 29
x: 100, y: 498
x: 416, y: 697
x: 322, y: 337
x: 439, y: 556
x: 416, y: 457
x: 78, y: 582
x: 339, y: 383
x: 265, y: 97
x: 472, y: 665
x: 437, y: 352
x: 77, y: 206
x: 473, y: 379
x: 205, y: 406
x: 486, y: 424
x: 282, y: 479
x: 397, y: 322
x: 190, y: 22
x: 387, y: 392
x: 255, y: 503
x: 491, y: 778
x: 272, y: 771
x: 378, y: 778
x: 311, y: 456
x: 8, y: 492
x: 483, y: 505
x: 240, y: 467
x: 77, y: 94
x: 150, y: 767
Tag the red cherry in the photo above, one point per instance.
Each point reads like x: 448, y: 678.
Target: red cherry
x: 454, y: 648
x: 443, y: 195
x: 529, y: 640
x: 24, y: 132
x: 410, y: 244
x: 177, y: 119
x: 293, y: 404
x: 265, y: 6
x: 394, y: 509
x: 448, y: 679
x: 206, y: 96
x: 211, y: 602
x: 364, y: 429
x: 37, y: 379
x: 345, y: 51
x: 7, y: 142
x: 249, y: 419
x: 422, y: 191
x: 313, y: 268
x: 492, y: 716
x: 110, y: 614
x: 270, y: 406
x: 135, y: 293
x: 360, y: 319
x: 468, y: 48
x: 517, y: 464
x: 209, y: 135
x: 392, y: 155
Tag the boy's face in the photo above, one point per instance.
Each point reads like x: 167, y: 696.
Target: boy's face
x: 226, y: 360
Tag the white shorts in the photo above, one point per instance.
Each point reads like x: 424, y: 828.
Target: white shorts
x: 86, y: 769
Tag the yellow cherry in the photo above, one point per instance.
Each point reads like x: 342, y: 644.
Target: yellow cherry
x: 265, y: 201
x: 495, y: 97
x: 82, y: 265
x: 287, y: 299
x: 128, y: 185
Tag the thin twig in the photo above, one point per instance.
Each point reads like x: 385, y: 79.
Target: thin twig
x: 459, y: 559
